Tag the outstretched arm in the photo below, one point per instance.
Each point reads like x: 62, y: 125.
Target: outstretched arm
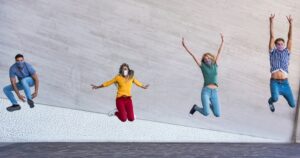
x: 194, y: 57
x: 220, y: 48
x: 96, y: 87
x: 271, y: 42
x: 138, y: 83
x: 289, y: 41
x: 105, y: 84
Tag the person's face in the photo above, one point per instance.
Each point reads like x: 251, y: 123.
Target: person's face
x: 19, y: 60
x: 207, y: 58
x: 125, y: 70
x: 280, y: 45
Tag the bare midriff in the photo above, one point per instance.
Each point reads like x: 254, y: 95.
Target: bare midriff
x: 212, y: 86
x: 279, y: 75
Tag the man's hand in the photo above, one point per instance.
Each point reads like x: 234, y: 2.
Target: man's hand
x: 290, y: 19
x: 271, y: 41
x: 34, y: 95
x: 21, y: 97
x: 290, y: 33
x: 272, y: 17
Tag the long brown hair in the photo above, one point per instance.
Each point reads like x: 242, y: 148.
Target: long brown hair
x: 211, y: 56
x: 130, y: 72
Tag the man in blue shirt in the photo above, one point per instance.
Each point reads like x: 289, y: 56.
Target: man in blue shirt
x: 279, y: 62
x: 27, y: 78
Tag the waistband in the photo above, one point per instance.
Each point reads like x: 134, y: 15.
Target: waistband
x: 124, y: 97
x: 273, y: 79
x: 205, y: 87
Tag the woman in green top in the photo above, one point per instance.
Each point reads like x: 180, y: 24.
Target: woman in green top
x: 209, y: 68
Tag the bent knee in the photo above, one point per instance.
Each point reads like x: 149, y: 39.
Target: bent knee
x: 6, y: 89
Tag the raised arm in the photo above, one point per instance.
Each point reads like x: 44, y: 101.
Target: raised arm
x: 271, y: 42
x: 220, y: 48
x: 289, y: 41
x: 194, y: 57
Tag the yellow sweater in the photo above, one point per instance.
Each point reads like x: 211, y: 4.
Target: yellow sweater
x: 124, y: 85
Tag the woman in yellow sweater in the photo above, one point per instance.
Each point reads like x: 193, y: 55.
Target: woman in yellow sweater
x: 124, y: 81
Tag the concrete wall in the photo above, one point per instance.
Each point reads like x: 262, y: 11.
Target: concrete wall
x: 75, y: 43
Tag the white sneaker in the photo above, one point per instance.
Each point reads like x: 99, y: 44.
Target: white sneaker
x: 112, y: 113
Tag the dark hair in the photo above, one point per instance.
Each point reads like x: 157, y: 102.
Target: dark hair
x: 279, y: 39
x: 19, y: 56
x: 130, y: 72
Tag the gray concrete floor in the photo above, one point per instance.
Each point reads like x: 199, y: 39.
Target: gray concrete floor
x: 171, y: 150
x: 4, y: 144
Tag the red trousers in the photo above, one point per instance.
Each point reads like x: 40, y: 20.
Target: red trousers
x: 125, y: 109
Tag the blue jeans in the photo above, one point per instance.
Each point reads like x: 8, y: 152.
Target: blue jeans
x: 24, y: 84
x: 281, y: 87
x: 209, y: 98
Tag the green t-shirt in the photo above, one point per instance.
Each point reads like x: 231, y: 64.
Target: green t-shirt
x: 210, y: 73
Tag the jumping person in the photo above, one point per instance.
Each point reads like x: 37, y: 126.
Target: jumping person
x: 279, y: 62
x: 124, y: 81
x: 209, y: 68
x: 27, y: 77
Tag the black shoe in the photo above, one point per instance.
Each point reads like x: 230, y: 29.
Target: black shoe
x: 13, y: 108
x: 272, y: 108
x: 193, y: 110
x: 30, y: 103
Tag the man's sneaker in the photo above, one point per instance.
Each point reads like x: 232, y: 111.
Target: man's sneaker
x: 272, y: 108
x: 30, y: 103
x: 193, y: 110
x: 112, y: 113
x: 13, y: 108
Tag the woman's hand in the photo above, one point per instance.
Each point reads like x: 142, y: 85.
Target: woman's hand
x: 183, y: 44
x: 222, y: 37
x: 94, y: 86
x: 194, y: 57
x: 146, y: 86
